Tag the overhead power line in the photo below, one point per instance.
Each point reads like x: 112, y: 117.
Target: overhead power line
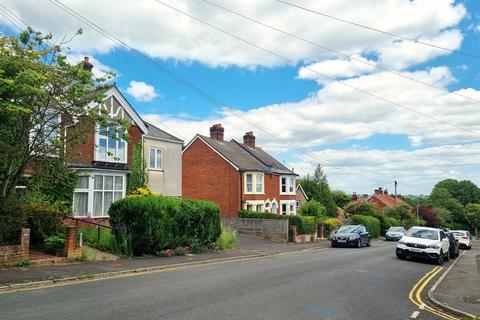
x: 468, y: 54
x: 10, y: 16
x: 316, y: 44
x: 316, y: 72
x: 199, y: 91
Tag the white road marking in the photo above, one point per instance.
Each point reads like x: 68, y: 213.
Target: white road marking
x: 415, y: 314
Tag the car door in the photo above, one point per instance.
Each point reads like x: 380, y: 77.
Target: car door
x: 363, y: 235
x: 445, y: 242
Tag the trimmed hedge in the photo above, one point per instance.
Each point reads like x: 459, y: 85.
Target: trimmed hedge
x: 371, y: 223
x: 331, y: 224
x: 305, y: 225
x: 151, y: 224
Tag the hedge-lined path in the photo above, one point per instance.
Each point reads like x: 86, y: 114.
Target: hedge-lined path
x: 247, y: 246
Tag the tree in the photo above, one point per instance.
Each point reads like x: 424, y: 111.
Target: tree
x: 444, y: 216
x: 428, y: 215
x: 401, y: 213
x: 361, y: 206
x: 441, y: 197
x: 317, y: 188
x: 42, y: 97
x: 312, y: 208
x: 341, y: 198
x: 473, y: 216
x: 464, y: 191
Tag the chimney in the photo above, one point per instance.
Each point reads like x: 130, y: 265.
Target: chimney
x: 249, y: 139
x: 379, y: 190
x: 385, y: 191
x: 365, y: 196
x: 354, y: 196
x: 216, y: 132
x: 87, y: 66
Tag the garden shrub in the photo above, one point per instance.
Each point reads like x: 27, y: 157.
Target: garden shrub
x: 330, y: 225
x: 154, y: 223
x: 312, y: 208
x: 54, y: 244
x: 44, y: 221
x: 309, y: 225
x: 105, y: 241
x: 371, y: 223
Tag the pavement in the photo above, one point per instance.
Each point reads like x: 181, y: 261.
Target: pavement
x: 246, y: 247
x: 460, y: 289
x: 334, y: 283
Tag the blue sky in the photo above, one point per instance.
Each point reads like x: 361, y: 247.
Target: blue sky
x: 362, y: 142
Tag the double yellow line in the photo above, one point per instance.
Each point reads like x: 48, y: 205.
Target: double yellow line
x: 415, y: 295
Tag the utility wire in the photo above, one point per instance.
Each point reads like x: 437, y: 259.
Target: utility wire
x: 197, y: 90
x: 316, y: 44
x: 11, y: 17
x: 316, y: 72
x: 378, y: 30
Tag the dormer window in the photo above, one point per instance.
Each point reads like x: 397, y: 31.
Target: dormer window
x: 110, y: 149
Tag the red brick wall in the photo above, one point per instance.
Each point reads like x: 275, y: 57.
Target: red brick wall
x: 206, y: 175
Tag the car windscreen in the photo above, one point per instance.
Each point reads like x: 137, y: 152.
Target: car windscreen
x: 348, y: 229
x: 458, y: 233
x: 422, y: 234
x: 395, y: 229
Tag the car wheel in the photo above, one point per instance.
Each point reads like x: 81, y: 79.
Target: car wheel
x: 334, y: 245
x: 458, y: 253
x: 359, y: 243
x: 452, y: 255
x: 369, y: 243
x: 440, y: 259
x: 401, y: 256
x: 469, y: 247
x: 447, y: 256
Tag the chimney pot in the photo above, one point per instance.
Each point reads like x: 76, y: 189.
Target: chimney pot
x: 216, y: 132
x: 385, y: 191
x: 249, y: 139
x: 87, y: 66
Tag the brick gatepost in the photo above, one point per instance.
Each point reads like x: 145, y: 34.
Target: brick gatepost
x: 70, y: 241
x: 25, y: 242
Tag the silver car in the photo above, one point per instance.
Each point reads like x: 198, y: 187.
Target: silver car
x: 394, y: 233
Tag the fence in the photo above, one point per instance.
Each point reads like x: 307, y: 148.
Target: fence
x: 271, y: 229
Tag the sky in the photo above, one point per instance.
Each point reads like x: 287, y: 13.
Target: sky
x: 354, y: 107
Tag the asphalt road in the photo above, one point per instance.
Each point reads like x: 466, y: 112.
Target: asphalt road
x: 368, y: 283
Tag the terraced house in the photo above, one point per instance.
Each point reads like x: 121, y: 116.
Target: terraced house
x: 103, y: 163
x: 237, y: 175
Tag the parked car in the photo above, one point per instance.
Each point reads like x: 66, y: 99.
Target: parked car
x: 351, y: 235
x: 464, y: 238
x: 453, y: 249
x: 423, y: 242
x: 394, y: 233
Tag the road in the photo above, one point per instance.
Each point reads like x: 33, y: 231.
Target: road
x: 368, y: 283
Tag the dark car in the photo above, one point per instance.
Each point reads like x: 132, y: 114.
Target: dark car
x: 356, y: 236
x: 453, y: 249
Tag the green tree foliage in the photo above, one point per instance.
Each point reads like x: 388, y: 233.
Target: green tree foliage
x: 464, y: 191
x: 317, y: 188
x: 401, y: 213
x: 472, y: 213
x: 341, y: 198
x: 312, y: 208
x: 137, y: 178
x: 41, y: 95
x: 441, y: 197
x: 444, y: 216
x: 361, y: 206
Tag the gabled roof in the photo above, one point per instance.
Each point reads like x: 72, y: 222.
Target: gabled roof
x: 157, y: 133
x: 127, y: 107
x: 299, y: 187
x: 387, y: 199
x: 244, y: 158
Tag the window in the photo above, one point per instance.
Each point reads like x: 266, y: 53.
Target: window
x: 284, y: 208
x: 287, y: 185
x: 254, y: 183
x: 110, y: 148
x: 274, y: 207
x: 95, y: 193
x: 259, y: 208
x: 249, y: 207
x: 156, y: 159
x: 288, y: 207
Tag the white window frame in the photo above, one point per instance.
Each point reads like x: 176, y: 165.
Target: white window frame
x: 107, y: 158
x: 156, y: 149
x: 91, y: 190
x: 254, y: 176
x: 254, y: 204
x: 82, y: 190
x: 289, y: 186
x: 289, y: 203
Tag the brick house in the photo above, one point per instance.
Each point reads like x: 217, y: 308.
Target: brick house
x: 301, y: 196
x: 103, y: 163
x: 236, y: 175
x: 381, y: 199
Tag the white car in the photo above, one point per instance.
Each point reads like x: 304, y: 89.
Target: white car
x: 423, y: 242
x: 463, y: 237
x: 394, y: 233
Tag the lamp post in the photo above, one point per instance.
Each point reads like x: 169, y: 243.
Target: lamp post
x: 418, y: 221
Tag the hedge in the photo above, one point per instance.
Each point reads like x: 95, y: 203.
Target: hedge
x: 305, y: 225
x: 331, y: 224
x: 148, y: 225
x: 371, y: 223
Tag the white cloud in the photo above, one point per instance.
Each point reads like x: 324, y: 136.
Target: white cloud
x: 142, y: 91
x: 181, y: 38
x: 337, y: 68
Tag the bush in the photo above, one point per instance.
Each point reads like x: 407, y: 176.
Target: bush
x: 44, y: 221
x: 312, y: 208
x: 155, y: 223
x: 330, y: 225
x: 371, y: 223
x: 105, y: 241
x: 227, y: 239
x: 360, y: 206
x: 54, y: 244
x: 303, y: 223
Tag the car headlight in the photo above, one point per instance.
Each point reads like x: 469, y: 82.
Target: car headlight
x: 354, y: 236
x: 434, y: 246
x: 401, y: 242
